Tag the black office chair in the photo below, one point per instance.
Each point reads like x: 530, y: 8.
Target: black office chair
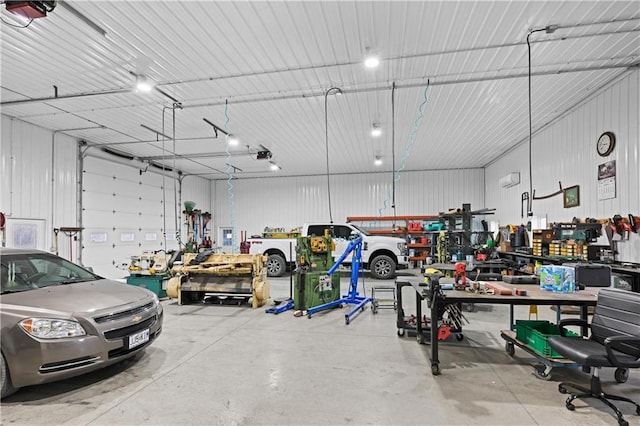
x: 614, y: 342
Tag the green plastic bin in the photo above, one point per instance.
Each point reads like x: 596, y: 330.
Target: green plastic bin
x: 534, y: 334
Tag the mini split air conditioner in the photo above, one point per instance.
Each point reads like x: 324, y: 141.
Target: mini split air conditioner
x: 510, y: 180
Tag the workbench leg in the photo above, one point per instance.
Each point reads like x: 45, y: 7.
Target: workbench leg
x: 435, y: 363
x: 419, y: 335
x: 512, y: 323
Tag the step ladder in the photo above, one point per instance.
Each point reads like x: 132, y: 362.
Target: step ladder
x: 386, y: 303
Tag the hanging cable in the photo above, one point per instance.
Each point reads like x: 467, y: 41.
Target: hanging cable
x: 393, y: 149
x: 164, y: 198
x: 175, y: 200
x: 393, y: 159
x: 326, y: 143
x: 408, y: 147
x: 549, y: 29
x: 175, y: 177
x: 229, y: 170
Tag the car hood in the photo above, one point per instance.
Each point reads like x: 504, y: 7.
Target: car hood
x: 91, y: 296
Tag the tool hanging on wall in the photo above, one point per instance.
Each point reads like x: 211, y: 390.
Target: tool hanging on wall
x: 560, y: 191
x: 55, y: 238
x: 72, y: 233
x: 3, y: 223
x: 525, y: 197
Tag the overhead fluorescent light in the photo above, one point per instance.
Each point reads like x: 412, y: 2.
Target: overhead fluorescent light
x: 376, y: 130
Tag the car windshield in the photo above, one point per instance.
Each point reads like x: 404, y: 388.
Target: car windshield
x: 28, y: 271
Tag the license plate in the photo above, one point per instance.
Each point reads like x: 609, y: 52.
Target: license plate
x: 138, y: 338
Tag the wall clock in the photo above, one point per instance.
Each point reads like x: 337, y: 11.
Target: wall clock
x: 606, y: 143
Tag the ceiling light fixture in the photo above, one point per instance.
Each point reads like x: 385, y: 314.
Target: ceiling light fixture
x: 371, y: 61
x: 378, y: 161
x: 143, y: 84
x: 376, y: 130
x: 232, y: 140
x: 273, y: 166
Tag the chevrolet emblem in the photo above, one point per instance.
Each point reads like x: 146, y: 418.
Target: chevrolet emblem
x: 136, y: 319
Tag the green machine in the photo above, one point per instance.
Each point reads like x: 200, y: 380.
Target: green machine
x: 151, y: 270
x: 313, y: 260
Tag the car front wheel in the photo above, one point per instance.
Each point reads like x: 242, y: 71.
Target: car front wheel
x: 6, y: 388
x: 382, y: 267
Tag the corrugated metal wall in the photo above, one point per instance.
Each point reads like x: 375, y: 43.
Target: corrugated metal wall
x: 566, y: 151
x: 34, y: 183
x: 563, y: 151
x: 290, y: 202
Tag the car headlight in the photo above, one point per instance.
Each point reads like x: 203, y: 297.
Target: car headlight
x: 49, y: 328
x: 156, y: 303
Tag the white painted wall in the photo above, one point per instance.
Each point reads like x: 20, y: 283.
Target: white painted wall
x: 290, y: 202
x: 565, y: 151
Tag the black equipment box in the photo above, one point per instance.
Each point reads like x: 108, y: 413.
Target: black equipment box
x: 521, y: 279
x: 593, y: 275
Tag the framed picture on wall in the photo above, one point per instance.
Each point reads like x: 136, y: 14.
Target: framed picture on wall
x: 571, y: 196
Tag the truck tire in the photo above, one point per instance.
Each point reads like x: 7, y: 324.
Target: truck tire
x: 276, y: 265
x: 382, y: 267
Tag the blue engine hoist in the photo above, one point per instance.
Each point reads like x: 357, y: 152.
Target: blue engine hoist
x: 352, y: 298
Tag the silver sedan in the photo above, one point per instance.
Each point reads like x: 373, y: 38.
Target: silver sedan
x: 60, y: 320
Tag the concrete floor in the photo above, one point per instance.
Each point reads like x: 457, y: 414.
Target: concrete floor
x: 233, y: 365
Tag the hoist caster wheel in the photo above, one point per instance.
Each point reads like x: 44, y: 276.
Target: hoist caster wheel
x: 459, y: 337
x: 562, y: 389
x: 570, y: 406
x: 435, y: 369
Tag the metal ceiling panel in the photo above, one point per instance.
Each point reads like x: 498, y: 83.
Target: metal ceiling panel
x: 262, y: 71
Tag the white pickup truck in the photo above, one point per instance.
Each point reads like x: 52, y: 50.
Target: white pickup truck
x: 381, y: 255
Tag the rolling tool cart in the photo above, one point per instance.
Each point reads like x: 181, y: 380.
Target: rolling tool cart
x: 531, y: 336
x: 406, y: 323
x: 450, y: 317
